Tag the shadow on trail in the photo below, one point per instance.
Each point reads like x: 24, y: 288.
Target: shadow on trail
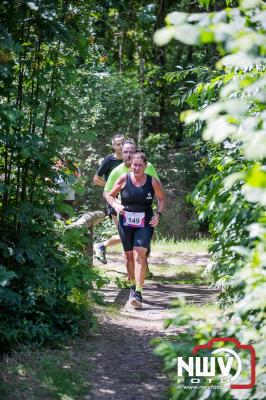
x: 122, y: 297
x: 160, y: 296
x: 163, y: 295
x: 124, y: 365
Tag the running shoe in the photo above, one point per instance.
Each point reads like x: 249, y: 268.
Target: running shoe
x: 132, y: 292
x: 136, y: 300
x: 99, y: 249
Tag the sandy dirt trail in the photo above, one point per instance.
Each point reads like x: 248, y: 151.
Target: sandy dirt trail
x: 125, y: 367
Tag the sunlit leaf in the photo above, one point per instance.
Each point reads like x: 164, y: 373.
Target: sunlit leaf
x: 218, y: 130
x: 176, y: 18
x: 247, y: 4
x: 255, y: 148
x: 164, y: 35
x: 231, y: 179
x: 187, y: 34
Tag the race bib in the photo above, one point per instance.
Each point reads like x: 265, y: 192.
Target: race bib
x: 134, y: 219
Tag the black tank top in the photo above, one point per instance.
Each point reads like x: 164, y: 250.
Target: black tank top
x: 138, y: 199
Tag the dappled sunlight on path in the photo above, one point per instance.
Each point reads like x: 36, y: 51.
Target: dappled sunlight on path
x: 125, y: 366
x: 157, y: 299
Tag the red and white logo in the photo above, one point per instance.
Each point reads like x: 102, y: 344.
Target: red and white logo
x: 235, y: 366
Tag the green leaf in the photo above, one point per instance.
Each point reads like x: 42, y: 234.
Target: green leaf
x: 256, y: 177
x: 206, y: 36
x: 6, y: 276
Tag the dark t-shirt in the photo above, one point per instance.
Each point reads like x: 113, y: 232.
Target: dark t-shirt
x: 107, y: 165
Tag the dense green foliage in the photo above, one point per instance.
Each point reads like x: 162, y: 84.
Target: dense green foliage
x: 44, y: 275
x: 232, y: 197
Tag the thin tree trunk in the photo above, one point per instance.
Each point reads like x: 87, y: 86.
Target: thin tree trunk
x: 160, y: 60
x: 32, y: 126
x: 141, y: 101
x: 120, y: 41
x: 5, y: 194
x: 45, y: 120
x: 19, y: 102
x: 50, y: 94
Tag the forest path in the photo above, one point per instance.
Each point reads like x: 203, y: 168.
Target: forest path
x: 125, y: 367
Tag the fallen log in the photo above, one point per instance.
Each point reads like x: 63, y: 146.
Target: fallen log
x: 88, y: 220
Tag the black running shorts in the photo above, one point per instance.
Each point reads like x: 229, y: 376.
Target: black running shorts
x: 135, y: 237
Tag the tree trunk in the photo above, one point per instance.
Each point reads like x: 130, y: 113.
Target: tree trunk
x: 141, y: 101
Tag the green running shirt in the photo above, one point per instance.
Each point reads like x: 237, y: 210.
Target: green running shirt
x: 122, y: 169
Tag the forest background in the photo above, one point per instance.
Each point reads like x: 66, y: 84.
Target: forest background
x: 73, y: 74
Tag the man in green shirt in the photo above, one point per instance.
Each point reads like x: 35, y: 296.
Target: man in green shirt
x: 123, y: 169
x: 128, y: 149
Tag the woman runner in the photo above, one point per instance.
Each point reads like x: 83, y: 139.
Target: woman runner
x: 136, y: 219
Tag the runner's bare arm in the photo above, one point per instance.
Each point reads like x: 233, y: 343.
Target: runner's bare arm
x: 97, y: 180
x: 159, y: 193
x: 111, y: 196
x: 105, y: 195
